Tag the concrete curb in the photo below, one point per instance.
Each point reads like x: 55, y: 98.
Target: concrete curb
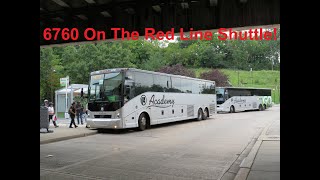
x: 242, y: 174
x: 232, y: 171
x: 67, y: 137
x: 247, y: 162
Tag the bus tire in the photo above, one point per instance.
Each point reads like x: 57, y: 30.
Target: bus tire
x: 264, y: 106
x: 232, y: 110
x: 142, y: 122
x: 260, y: 107
x: 200, y: 114
x: 205, y: 114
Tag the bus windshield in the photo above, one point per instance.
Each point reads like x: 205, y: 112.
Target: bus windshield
x: 106, y: 87
x: 220, y: 95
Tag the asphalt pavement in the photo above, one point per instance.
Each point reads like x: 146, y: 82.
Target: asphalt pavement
x: 223, y: 147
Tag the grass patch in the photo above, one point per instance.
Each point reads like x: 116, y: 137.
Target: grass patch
x: 257, y: 79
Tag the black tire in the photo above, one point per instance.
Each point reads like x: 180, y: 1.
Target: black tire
x: 260, y: 107
x: 205, y: 114
x: 200, y: 114
x: 142, y: 122
x: 264, y: 107
x: 232, y: 110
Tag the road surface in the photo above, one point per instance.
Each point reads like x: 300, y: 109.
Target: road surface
x: 184, y: 150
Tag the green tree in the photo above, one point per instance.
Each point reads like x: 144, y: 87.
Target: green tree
x: 140, y: 49
x: 209, y: 55
x: 155, y: 62
x: 81, y: 62
x: 77, y: 61
x: 114, y: 56
x: 47, y: 74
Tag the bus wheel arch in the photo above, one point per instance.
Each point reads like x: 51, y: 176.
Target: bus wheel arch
x: 148, y: 120
x: 232, y: 109
x: 143, y: 121
x: 205, y: 114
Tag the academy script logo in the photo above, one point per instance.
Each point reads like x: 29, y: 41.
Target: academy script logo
x: 143, y: 100
x: 161, y: 101
x: 239, y: 101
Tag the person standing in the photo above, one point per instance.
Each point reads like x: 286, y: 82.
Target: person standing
x: 85, y: 116
x: 72, y: 113
x: 79, y: 110
x: 51, y: 113
x: 46, y: 103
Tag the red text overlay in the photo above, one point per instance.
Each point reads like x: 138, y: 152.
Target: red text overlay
x: 91, y: 34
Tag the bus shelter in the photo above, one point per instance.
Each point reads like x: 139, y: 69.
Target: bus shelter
x: 72, y: 91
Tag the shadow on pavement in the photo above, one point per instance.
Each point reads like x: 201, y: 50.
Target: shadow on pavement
x: 132, y: 130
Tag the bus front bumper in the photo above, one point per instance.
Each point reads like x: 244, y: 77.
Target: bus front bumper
x: 104, y: 123
x: 219, y: 108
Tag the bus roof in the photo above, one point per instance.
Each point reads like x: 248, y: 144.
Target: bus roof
x: 145, y: 71
x: 243, y: 88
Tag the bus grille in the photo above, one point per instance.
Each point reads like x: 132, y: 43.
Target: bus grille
x: 212, y: 108
x: 190, y: 111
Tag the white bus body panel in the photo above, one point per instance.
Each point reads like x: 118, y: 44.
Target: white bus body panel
x: 161, y: 107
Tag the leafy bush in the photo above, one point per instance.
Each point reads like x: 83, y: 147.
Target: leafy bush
x: 215, y: 75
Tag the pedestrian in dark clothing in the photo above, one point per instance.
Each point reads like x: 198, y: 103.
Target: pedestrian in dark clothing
x: 72, y: 113
x: 79, y: 112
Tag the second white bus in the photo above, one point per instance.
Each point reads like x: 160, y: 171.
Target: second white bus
x: 235, y: 99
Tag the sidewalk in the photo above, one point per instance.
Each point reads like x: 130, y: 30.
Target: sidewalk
x: 63, y: 132
x: 263, y: 162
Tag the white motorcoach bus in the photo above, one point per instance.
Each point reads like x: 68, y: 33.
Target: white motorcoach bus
x: 132, y: 98
x: 234, y: 99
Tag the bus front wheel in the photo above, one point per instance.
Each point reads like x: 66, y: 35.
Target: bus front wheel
x: 260, y: 107
x: 232, y: 110
x: 142, y: 122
